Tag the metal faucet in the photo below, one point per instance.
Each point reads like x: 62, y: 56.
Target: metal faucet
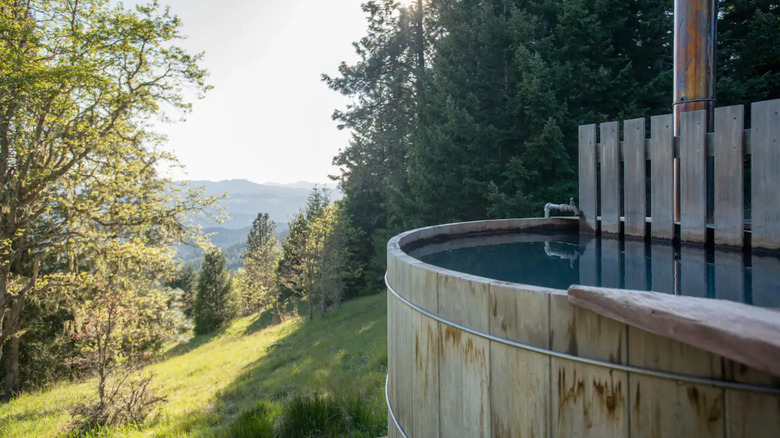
x: 570, y: 207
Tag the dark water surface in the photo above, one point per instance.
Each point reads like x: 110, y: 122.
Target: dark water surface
x: 560, y: 260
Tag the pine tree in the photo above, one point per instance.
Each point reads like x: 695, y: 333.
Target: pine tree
x: 212, y: 302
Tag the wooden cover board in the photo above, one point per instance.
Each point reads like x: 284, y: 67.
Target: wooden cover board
x: 737, y: 331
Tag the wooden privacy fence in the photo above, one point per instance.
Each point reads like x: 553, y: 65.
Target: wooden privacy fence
x: 610, y: 196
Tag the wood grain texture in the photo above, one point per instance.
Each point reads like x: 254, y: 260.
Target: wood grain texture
x: 635, y: 189
x: 519, y: 404
x: 693, y: 177
x: 588, y: 401
x: 425, y: 377
x: 425, y: 371
x: 465, y: 299
x: 729, y: 207
x: 665, y: 408
x: 464, y: 375
x: 737, y: 331
x: 588, y: 187
x: 750, y: 414
x: 610, y: 178
x: 765, y: 176
x: 662, y: 176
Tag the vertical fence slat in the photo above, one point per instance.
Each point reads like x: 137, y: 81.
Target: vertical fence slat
x: 729, y: 210
x: 662, y: 176
x: 765, y: 178
x: 693, y: 177
x: 635, y: 190
x: 588, y: 187
x: 610, y: 178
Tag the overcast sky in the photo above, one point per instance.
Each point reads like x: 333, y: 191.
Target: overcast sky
x: 268, y: 117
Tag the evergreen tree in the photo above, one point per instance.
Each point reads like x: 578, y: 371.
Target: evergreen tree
x: 262, y: 232
x: 212, y: 301
x: 259, y: 259
x: 748, y: 41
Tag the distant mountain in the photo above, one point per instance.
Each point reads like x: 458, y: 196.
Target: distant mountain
x: 246, y: 199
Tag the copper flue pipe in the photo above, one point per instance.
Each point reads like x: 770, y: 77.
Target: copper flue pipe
x: 695, y: 24
x: 694, y: 58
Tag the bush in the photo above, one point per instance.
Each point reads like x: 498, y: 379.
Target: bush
x: 309, y: 416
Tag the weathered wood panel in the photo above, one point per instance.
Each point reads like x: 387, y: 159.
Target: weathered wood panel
x: 729, y: 276
x: 739, y: 332
x: 425, y: 378
x: 465, y: 299
x: 589, y: 263
x: 635, y: 265
x: 610, y: 178
x: 766, y: 280
x: 464, y: 367
x: 666, y: 408
x: 662, y: 176
x: 635, y: 191
x: 588, y: 401
x: 693, y: 271
x: 662, y: 266
x: 464, y: 374
x: 729, y: 206
x: 588, y: 202
x: 520, y: 403
x: 404, y: 364
x: 693, y: 177
x: 392, y: 358
x: 765, y: 177
x: 748, y: 414
x: 610, y: 262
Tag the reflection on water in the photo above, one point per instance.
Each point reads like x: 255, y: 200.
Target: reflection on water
x: 560, y: 260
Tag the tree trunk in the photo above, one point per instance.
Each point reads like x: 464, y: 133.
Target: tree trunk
x: 11, y: 381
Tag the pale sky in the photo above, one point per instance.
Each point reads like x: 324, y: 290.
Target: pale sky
x: 268, y: 118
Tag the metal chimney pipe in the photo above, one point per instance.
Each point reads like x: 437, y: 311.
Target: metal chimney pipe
x: 695, y: 24
x: 694, y: 58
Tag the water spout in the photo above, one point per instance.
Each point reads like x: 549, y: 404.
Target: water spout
x: 570, y: 207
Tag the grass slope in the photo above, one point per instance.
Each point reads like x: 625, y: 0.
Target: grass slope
x: 247, y: 370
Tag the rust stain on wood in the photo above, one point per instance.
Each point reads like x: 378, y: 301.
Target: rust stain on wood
x: 610, y: 394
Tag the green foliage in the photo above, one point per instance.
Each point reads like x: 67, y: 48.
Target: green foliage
x: 213, y: 308
x: 217, y: 380
x: 80, y: 83
x: 748, y: 38
x: 320, y: 416
x: 256, y: 282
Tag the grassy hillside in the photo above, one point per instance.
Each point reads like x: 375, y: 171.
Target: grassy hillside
x: 238, y: 380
